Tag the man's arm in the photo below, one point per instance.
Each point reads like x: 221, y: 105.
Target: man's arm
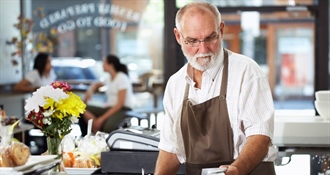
x: 253, y: 152
x: 167, y: 163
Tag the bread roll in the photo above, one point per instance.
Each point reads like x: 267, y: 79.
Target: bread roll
x: 5, y: 160
x: 84, y: 162
x: 19, y: 153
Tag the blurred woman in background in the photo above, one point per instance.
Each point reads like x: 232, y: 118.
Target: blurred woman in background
x: 42, y: 74
x: 119, y: 93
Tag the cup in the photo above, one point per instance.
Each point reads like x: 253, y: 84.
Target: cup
x: 323, y: 108
x: 322, y: 95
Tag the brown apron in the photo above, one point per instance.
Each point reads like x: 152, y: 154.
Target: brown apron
x: 207, y: 133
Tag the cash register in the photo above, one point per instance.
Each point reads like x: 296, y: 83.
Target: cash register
x: 132, y: 150
x: 137, y: 139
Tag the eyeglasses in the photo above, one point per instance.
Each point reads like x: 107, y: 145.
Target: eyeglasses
x: 195, y: 42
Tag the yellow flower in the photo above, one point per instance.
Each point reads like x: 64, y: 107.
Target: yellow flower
x: 52, y: 109
x: 49, y: 104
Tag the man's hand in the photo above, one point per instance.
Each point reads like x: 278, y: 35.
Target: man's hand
x: 231, y: 170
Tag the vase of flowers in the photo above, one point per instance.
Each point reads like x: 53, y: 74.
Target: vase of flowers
x: 53, y: 108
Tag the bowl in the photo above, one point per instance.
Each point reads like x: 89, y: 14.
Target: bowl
x: 323, y: 95
x: 323, y: 108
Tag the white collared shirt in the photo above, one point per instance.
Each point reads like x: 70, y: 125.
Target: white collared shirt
x: 249, y: 102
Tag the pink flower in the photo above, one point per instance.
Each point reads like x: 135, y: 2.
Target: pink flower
x: 62, y: 85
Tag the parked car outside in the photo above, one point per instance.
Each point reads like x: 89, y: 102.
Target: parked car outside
x: 78, y: 72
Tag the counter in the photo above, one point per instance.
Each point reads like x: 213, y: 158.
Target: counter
x: 303, y: 144
x: 306, y: 131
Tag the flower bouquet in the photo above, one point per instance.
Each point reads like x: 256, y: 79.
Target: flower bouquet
x: 53, y: 108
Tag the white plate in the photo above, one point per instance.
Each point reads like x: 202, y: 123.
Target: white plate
x: 44, y: 167
x: 34, y: 160
x: 29, y: 165
x: 80, y: 171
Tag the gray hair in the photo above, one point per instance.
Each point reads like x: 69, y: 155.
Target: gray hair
x: 200, y: 6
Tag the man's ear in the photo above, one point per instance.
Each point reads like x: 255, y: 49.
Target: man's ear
x: 222, y: 29
x: 177, y: 35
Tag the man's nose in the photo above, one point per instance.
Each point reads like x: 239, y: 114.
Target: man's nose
x: 203, y: 47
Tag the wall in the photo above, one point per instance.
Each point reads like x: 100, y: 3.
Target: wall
x: 14, y: 104
x: 9, y: 74
x: 9, y: 11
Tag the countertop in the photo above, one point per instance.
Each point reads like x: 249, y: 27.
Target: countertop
x: 302, y: 131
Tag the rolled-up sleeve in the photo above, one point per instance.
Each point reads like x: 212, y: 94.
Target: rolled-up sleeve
x: 257, y: 108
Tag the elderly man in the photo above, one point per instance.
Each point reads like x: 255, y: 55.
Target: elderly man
x: 219, y: 108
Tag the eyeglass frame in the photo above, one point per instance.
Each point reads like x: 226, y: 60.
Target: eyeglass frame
x: 206, y: 40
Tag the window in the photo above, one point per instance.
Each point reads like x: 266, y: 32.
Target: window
x: 282, y: 44
x: 133, y: 30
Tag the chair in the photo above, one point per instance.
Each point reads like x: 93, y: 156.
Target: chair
x: 144, y: 114
x: 139, y: 116
x: 146, y: 84
x: 125, y: 123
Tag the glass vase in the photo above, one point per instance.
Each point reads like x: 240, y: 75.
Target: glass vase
x: 53, y: 145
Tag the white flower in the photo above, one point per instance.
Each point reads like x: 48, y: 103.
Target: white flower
x: 33, y: 103
x: 46, y: 121
x: 50, y: 92
x: 74, y: 119
x: 48, y: 113
x: 38, y: 98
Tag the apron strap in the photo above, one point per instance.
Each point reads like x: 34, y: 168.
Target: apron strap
x: 223, y: 90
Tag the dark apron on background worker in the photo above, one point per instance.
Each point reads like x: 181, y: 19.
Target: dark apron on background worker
x: 207, y: 133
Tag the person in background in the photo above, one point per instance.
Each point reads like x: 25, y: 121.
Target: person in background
x: 41, y: 75
x: 218, y: 107
x: 119, y: 92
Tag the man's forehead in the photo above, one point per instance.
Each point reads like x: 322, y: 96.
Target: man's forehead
x: 198, y: 28
x: 194, y: 34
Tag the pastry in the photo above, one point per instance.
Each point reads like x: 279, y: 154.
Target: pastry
x: 19, y: 153
x: 87, y: 162
x: 5, y: 160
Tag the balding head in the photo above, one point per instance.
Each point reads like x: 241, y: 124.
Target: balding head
x: 196, y: 8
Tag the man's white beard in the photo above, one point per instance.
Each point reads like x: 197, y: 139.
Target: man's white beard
x: 200, y: 61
